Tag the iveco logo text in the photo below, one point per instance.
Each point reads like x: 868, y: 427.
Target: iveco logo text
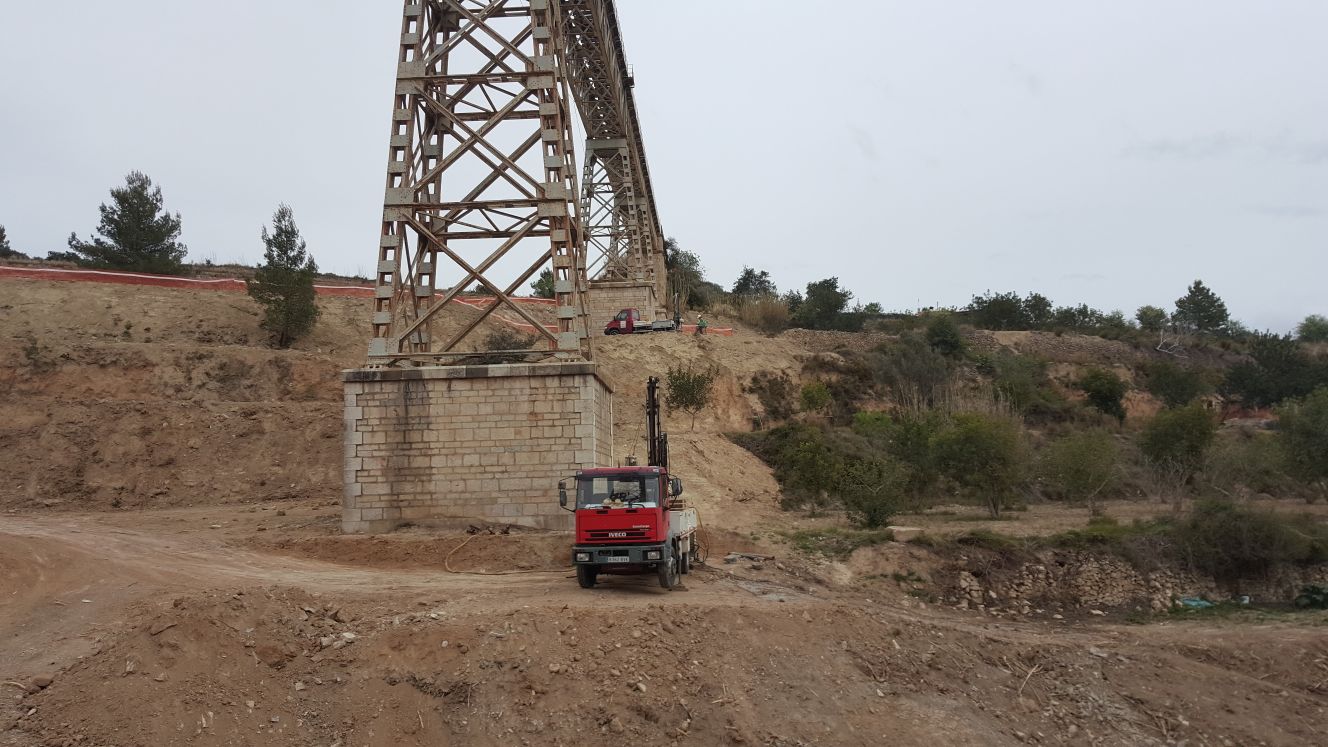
x: 617, y: 534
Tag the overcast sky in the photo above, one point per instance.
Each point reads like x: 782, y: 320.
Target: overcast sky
x: 1107, y: 152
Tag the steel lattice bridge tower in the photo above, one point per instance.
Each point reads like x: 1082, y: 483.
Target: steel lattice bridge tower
x: 484, y: 190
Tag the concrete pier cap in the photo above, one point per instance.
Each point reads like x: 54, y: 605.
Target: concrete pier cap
x: 448, y: 446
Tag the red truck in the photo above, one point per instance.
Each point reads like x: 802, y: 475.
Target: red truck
x: 632, y: 520
x: 630, y: 322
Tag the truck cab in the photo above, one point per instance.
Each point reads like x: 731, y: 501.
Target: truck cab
x: 629, y: 520
x: 633, y: 520
x: 627, y: 322
x: 630, y: 322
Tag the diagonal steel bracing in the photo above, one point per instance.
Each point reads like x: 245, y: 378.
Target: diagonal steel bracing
x: 625, y: 241
x: 482, y: 187
x: 481, y: 181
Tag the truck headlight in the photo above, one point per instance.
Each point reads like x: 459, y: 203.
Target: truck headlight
x: 583, y: 557
x: 652, y: 554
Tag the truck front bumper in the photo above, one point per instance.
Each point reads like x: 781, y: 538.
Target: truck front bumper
x: 611, y: 555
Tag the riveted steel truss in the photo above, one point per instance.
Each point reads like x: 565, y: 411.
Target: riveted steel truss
x: 622, y: 227
x: 609, y: 214
x: 482, y: 185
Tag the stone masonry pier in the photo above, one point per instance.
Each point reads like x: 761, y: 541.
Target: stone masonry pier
x: 607, y: 298
x: 473, y: 443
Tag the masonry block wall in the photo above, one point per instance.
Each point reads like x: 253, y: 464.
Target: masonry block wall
x: 606, y: 299
x: 488, y: 443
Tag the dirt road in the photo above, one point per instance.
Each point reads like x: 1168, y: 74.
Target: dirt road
x: 215, y: 626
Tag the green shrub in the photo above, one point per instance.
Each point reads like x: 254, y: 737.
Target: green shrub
x: 873, y: 490
x: 1177, y: 440
x: 1232, y: 542
x: 815, y: 397
x: 910, y: 371
x: 805, y: 464
x: 777, y: 394
x: 1082, y: 466
x: 1303, y: 438
x: 943, y: 336
x: 874, y: 426
x: 910, y: 440
x: 985, y: 456
x: 1105, y: 391
x: 1175, y: 385
x: 1247, y: 462
x: 504, y: 339
x: 1021, y: 381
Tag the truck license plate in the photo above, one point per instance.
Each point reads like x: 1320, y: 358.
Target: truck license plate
x: 618, y: 559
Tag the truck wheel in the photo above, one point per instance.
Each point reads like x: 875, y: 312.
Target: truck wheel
x: 610, y: 332
x: 668, y: 573
x: 585, y: 575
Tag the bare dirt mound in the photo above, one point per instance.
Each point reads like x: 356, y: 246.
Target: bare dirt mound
x: 466, y: 553
x: 118, y: 396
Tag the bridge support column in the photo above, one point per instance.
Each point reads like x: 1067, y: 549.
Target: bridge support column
x: 608, y: 297
x: 454, y: 445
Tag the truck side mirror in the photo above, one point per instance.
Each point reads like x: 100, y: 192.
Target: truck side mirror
x: 676, y: 486
x: 562, y: 493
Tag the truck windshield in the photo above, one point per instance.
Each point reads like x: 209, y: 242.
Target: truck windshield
x: 627, y: 491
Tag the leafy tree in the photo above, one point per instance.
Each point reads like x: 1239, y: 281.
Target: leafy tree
x: 1151, y: 318
x: 1175, y: 385
x: 1081, y: 318
x: 815, y: 397
x: 284, y: 283
x: 873, y: 309
x: 754, y: 283
x: 1105, y: 391
x: 1313, y: 329
x: 706, y: 294
x: 793, y: 300
x: 1177, y: 440
x: 543, y: 285
x: 684, y: 269
x: 943, y: 336
x: 690, y: 390
x: 62, y: 257
x: 1202, y: 311
x: 985, y: 455
x: 824, y: 303
x: 1279, y: 369
x: 136, y: 233
x: 1303, y: 437
x: 1038, y: 310
x: 998, y: 311
x: 1082, y: 466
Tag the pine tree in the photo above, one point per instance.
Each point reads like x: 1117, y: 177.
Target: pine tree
x: 543, y: 287
x: 6, y: 252
x: 136, y: 233
x: 1201, y: 310
x: 284, y: 284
